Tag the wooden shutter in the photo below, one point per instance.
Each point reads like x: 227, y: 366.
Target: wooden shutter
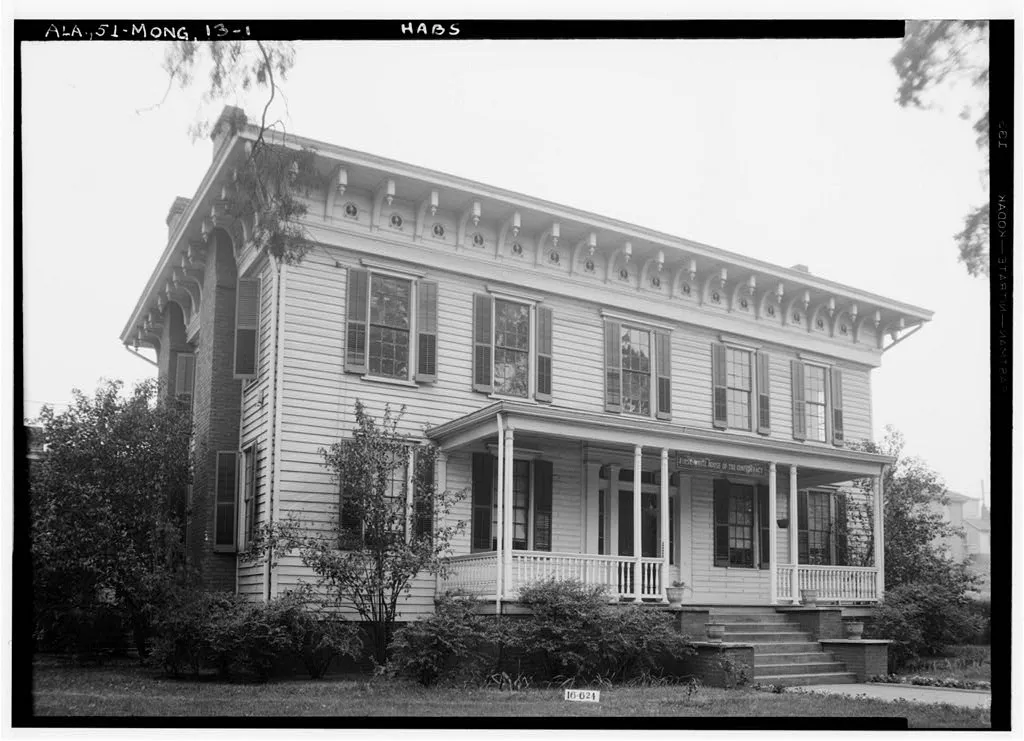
x: 719, y: 382
x: 544, y: 317
x: 803, y: 542
x: 764, y: 526
x: 542, y: 490
x: 764, y: 425
x: 483, y: 493
x: 799, y: 419
x: 184, y: 374
x: 671, y: 530
x: 837, y: 406
x: 247, y: 322
x: 482, y: 306
x: 663, y: 347
x: 721, y: 507
x: 250, y: 495
x: 423, y: 500
x: 356, y: 320
x: 842, y: 529
x: 612, y: 366
x: 225, y: 498
x: 426, y: 331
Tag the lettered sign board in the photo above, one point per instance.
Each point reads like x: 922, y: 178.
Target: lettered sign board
x: 583, y: 695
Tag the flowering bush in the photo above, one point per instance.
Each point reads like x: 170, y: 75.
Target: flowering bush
x: 953, y: 682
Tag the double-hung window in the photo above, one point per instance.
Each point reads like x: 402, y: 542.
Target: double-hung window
x: 638, y: 368
x: 388, y: 503
x: 817, y: 402
x: 391, y: 325
x: 814, y: 527
x: 531, y: 504
x: 512, y: 348
x: 741, y: 384
x: 741, y: 525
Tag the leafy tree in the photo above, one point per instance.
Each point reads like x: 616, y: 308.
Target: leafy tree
x: 946, y: 55
x: 926, y: 606
x: 108, y: 504
x: 367, y: 559
x: 267, y: 185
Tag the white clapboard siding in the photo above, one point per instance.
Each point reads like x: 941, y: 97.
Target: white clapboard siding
x: 256, y: 426
x: 716, y: 584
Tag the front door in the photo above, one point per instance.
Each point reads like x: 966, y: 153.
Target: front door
x: 649, y: 523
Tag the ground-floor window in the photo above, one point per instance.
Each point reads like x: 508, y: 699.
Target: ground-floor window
x: 814, y: 536
x: 741, y: 525
x: 531, y: 504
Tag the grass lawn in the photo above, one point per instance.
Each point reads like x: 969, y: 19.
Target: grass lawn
x: 125, y: 689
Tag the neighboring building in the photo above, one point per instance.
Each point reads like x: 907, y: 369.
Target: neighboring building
x: 974, y: 543
x: 659, y: 409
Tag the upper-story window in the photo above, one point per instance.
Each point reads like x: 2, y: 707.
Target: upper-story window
x: 512, y: 346
x: 742, y: 388
x: 636, y: 371
x: 817, y: 402
x: 391, y: 326
x: 814, y: 402
x: 738, y: 387
x: 638, y: 368
x: 390, y: 322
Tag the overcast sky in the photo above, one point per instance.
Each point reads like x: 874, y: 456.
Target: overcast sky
x: 786, y: 151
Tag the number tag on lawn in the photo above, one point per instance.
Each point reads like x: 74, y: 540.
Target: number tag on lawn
x: 583, y: 695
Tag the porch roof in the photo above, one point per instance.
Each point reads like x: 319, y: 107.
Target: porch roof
x: 604, y: 430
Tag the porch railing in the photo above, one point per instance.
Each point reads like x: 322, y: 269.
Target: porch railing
x: 832, y: 583
x: 477, y: 573
x: 474, y: 573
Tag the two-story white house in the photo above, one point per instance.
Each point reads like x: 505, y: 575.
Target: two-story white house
x: 623, y: 406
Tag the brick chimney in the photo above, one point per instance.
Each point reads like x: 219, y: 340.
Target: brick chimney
x: 176, y: 212
x: 231, y: 119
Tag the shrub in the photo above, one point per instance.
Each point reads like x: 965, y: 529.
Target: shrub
x: 575, y: 633
x: 229, y: 634
x: 451, y: 643
x: 89, y: 633
x: 923, y: 620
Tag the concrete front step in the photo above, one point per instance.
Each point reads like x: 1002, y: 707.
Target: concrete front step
x: 789, y: 680
x: 782, y: 647
x: 751, y: 619
x: 759, y: 627
x: 821, y: 667
x: 775, y: 636
x: 807, y: 657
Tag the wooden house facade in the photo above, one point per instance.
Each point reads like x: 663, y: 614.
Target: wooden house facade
x: 621, y: 406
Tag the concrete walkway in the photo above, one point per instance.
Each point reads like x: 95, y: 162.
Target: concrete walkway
x: 908, y: 692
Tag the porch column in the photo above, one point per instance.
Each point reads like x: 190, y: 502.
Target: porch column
x: 773, y: 535
x: 507, y: 526
x: 794, y: 524
x: 638, y: 463
x: 613, y: 509
x: 591, y: 505
x: 664, y: 525
x: 500, y: 498
x: 879, y: 526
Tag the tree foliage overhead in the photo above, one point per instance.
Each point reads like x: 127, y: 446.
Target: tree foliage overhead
x: 952, y: 55
x: 108, y: 501
x: 265, y: 186
x: 383, y: 536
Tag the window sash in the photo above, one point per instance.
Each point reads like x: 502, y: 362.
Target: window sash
x: 511, y: 349
x: 635, y: 348
x: 389, y: 307
x: 738, y: 388
x: 815, y: 402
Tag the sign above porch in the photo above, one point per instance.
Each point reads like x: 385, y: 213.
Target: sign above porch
x: 710, y: 464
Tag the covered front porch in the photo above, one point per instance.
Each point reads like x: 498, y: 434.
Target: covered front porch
x: 553, y: 495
